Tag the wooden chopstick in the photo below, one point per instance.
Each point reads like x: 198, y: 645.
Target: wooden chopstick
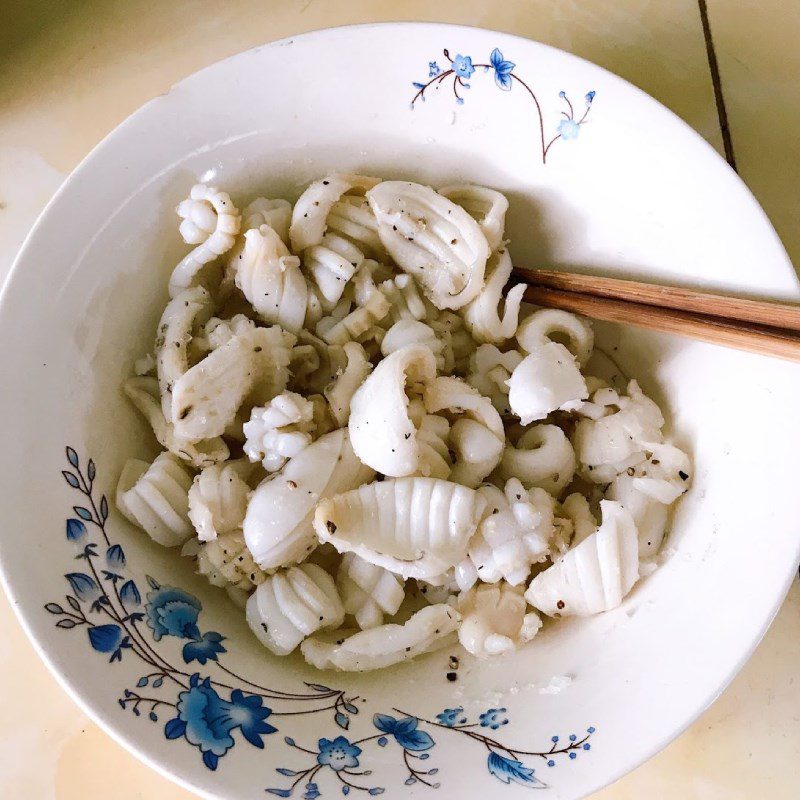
x: 719, y: 319
x: 761, y: 312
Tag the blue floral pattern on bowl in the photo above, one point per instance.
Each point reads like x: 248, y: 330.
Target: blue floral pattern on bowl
x: 211, y: 713
x: 461, y: 69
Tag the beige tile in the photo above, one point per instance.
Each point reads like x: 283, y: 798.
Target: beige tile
x: 756, y: 45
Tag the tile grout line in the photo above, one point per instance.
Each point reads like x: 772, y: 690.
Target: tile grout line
x: 713, y: 66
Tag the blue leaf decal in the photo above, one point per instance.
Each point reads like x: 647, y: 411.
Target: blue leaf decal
x: 157, y: 683
x: 154, y: 584
x: 351, y: 708
x: 496, y: 57
x: 423, y: 756
x: 210, y: 760
x: 142, y: 682
x: 153, y: 716
x: 410, y: 781
x: 503, y: 80
x: 54, y: 608
x: 72, y: 456
x: 382, y: 741
x: 281, y: 792
x: 376, y: 790
x: 406, y: 725
x: 70, y: 478
x: 83, y: 513
x: 289, y: 741
x: 83, y: 585
x: 103, y: 508
x: 288, y: 772
x: 105, y: 638
x: 318, y: 687
x: 418, y: 85
x: 91, y: 470
x: 75, y: 529
x: 175, y: 728
x: 415, y: 740
x: 129, y: 594
x: 385, y: 723
x: 345, y: 790
x: 509, y: 770
x: 66, y: 623
x: 342, y: 720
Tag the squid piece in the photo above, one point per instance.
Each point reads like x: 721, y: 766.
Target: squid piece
x: 482, y: 316
x: 414, y: 527
x: 211, y: 221
x: 543, y: 456
x: 406, y: 331
x: 275, y: 213
x: 494, y: 620
x: 226, y: 562
x: 432, y: 239
x: 486, y: 206
x: 218, y: 499
x: 381, y: 431
x: 489, y: 371
x: 429, y: 629
x: 279, y: 431
x: 595, y: 575
x: 155, y: 498
x: 291, y: 605
x: 546, y: 380
x: 368, y: 591
x: 278, y: 526
x: 539, y: 327
x: 339, y: 393
x: 477, y: 438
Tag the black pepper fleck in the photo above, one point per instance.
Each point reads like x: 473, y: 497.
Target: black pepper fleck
x: 331, y: 526
x: 683, y: 475
x: 451, y: 676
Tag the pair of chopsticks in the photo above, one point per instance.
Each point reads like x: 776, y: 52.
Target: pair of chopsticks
x: 764, y: 327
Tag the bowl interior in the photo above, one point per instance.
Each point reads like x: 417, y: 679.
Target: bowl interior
x: 636, y: 193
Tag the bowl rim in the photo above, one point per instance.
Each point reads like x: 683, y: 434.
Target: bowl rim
x: 42, y: 219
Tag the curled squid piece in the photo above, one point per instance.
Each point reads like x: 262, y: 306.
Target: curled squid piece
x: 433, y: 436
x: 405, y: 301
x: 339, y: 393
x: 406, y: 332
x: 314, y: 363
x: 226, y: 562
x: 477, y: 437
x: 540, y: 327
x: 483, y: 316
x: 430, y: 629
x: 279, y: 431
x: 486, y: 206
x: 190, y: 308
x: 275, y: 213
x: 291, y: 605
x: 143, y: 392
x: 547, y: 379
x: 369, y: 276
x: 414, y: 527
x: 489, y: 371
x: 616, y: 442
x: 333, y: 234
x: 252, y: 365
x: 278, y: 526
x: 211, y: 221
x: 368, y: 591
x: 270, y: 278
x: 381, y: 430
x: 218, y: 499
x: 514, y: 533
x: 155, y: 498
x: 543, y: 456
x: 432, y: 239
x: 494, y: 620
x: 595, y: 575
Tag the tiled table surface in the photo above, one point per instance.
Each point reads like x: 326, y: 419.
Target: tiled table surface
x: 71, y: 71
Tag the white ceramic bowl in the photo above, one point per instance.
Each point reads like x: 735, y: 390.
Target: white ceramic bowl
x: 627, y: 188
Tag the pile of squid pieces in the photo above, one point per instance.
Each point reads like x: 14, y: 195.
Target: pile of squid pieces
x: 372, y: 449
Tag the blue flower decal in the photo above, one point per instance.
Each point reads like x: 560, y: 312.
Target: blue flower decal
x: 462, y: 66
x: 312, y: 791
x: 338, y: 754
x: 172, y: 612
x: 405, y: 732
x: 206, y: 720
x: 75, y: 530
x: 509, y: 770
x: 452, y: 716
x: 502, y: 70
x: 115, y: 557
x: 433, y: 69
x: 105, y: 638
x: 206, y: 649
x: 493, y: 718
x: 568, y: 129
x: 589, y: 98
x: 129, y: 594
